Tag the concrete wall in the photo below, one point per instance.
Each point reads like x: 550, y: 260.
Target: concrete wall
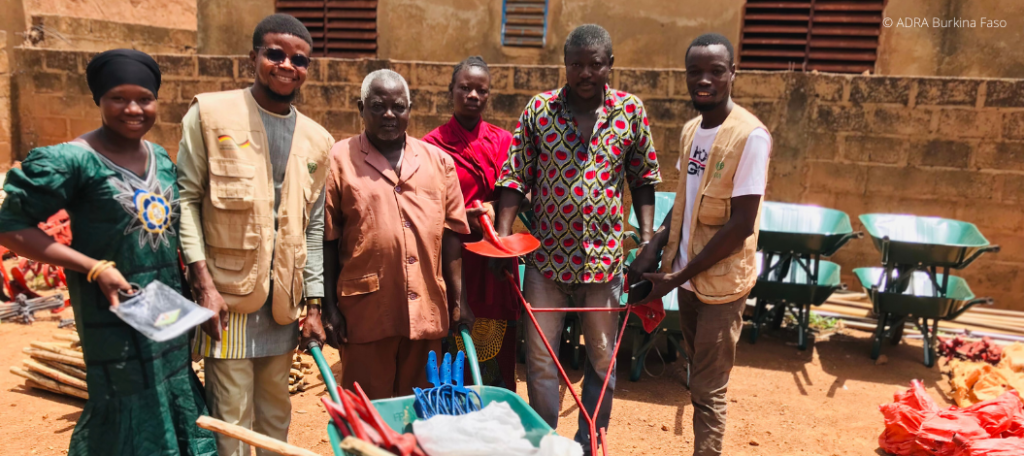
x: 965, y: 51
x: 936, y: 147
x: 177, y: 14
x: 225, y: 26
x: 646, y: 33
x: 13, y: 21
x: 5, y: 104
x: 83, y: 34
x: 451, y: 30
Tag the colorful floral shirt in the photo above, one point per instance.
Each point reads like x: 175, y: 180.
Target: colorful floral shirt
x: 576, y: 188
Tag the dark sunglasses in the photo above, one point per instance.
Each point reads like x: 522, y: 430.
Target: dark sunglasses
x: 278, y: 56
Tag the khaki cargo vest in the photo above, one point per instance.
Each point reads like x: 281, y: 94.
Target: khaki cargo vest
x: 238, y: 209
x: 734, y: 276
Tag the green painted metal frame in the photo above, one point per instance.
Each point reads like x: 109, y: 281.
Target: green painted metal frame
x: 914, y: 282
x: 643, y: 342
x: 399, y: 413
x: 792, y: 276
x: 920, y: 302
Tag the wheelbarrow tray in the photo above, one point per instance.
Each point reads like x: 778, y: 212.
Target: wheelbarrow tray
x: 802, y: 229
x: 919, y: 299
x: 796, y: 287
x: 925, y: 240
x: 399, y: 413
x: 663, y: 202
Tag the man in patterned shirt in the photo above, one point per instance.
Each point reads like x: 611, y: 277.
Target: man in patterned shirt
x: 573, y: 150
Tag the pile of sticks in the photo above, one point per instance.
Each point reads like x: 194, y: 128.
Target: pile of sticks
x: 297, y: 382
x: 57, y: 367
x: 1002, y: 326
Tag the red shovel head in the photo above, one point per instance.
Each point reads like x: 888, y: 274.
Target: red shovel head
x: 515, y: 245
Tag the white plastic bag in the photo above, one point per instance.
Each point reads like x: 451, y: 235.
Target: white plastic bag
x: 556, y: 445
x: 160, y: 313
x: 494, y: 431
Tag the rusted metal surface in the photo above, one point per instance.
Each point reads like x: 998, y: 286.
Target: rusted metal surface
x: 824, y: 35
x: 340, y: 28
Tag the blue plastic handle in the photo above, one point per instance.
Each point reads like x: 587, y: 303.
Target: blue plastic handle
x: 446, y: 370
x: 458, y: 369
x: 432, y: 369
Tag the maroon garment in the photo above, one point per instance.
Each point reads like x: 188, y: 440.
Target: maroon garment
x: 478, y: 156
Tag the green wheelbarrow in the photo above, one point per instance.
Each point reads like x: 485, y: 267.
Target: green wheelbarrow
x: 919, y: 251
x: 928, y: 242
x: 791, y: 274
x: 920, y: 302
x: 798, y: 290
x: 399, y: 413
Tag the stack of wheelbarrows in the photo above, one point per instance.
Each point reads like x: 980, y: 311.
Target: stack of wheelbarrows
x: 912, y: 284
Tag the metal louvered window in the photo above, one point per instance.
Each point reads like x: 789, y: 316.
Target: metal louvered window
x: 839, y: 36
x: 340, y: 28
x: 524, y: 23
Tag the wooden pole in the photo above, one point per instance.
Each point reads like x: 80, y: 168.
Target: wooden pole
x: 58, y: 350
x: 33, y: 379
x: 70, y: 337
x: 70, y: 370
x: 252, y: 438
x: 352, y: 445
x: 50, y: 356
x: 55, y: 374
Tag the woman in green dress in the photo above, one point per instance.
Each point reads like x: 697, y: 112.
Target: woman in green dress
x: 120, y: 192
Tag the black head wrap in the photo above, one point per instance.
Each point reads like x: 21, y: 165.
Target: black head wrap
x: 121, y: 66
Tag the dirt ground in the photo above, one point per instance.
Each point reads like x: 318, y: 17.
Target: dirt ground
x: 781, y: 401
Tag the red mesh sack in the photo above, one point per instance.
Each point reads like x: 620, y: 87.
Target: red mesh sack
x: 991, y: 447
x: 938, y: 431
x: 1001, y: 417
x: 903, y: 419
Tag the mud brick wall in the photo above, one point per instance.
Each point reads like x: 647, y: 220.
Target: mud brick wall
x: 83, y: 34
x: 5, y: 105
x: 926, y: 146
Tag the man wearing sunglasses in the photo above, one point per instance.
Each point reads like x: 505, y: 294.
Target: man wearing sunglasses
x: 251, y: 170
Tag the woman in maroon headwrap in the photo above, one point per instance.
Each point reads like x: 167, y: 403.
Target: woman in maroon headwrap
x: 479, y: 149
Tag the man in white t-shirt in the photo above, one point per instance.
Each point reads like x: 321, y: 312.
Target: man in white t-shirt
x: 707, y: 245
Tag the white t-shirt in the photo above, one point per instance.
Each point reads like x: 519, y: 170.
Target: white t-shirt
x: 750, y: 179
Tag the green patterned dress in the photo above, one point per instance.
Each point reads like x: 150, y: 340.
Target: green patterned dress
x: 143, y: 396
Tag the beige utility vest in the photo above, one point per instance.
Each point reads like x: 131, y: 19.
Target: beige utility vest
x: 734, y: 276
x: 238, y: 210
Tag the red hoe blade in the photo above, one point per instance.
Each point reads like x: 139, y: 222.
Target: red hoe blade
x: 507, y: 247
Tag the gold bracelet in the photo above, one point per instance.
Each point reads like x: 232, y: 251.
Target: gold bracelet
x: 313, y: 302
x: 98, y: 269
x: 92, y: 272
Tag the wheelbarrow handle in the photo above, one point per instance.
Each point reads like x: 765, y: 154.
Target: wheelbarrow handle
x: 325, y: 370
x: 971, y: 303
x: 474, y: 364
x: 978, y: 253
x: 842, y: 241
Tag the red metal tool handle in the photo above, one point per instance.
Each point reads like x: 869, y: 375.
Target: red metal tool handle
x: 488, y: 227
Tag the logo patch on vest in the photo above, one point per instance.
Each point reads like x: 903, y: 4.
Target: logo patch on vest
x: 312, y: 167
x: 718, y: 168
x: 226, y: 142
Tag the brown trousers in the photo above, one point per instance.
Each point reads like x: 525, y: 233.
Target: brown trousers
x: 389, y: 367
x: 710, y: 334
